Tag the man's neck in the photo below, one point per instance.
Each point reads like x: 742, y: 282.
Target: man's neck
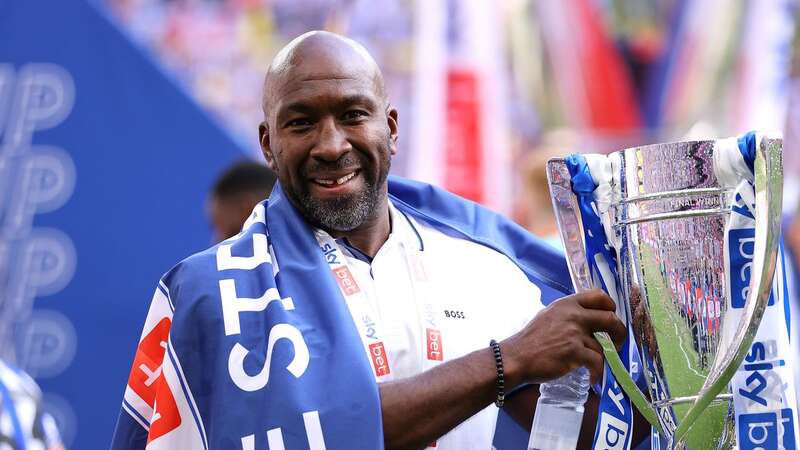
x: 369, y: 236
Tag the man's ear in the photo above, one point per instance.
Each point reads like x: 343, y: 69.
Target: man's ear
x: 391, y: 122
x: 263, y: 139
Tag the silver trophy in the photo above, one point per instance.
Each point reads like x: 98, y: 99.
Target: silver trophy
x: 666, y: 220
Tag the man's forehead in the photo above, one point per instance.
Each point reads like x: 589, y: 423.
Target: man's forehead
x: 313, y: 84
x: 327, y: 67
x: 320, y: 59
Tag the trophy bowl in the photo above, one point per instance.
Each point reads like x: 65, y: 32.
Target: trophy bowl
x: 665, y: 215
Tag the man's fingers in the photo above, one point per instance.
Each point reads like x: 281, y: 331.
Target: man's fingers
x: 618, y: 333
x: 606, y: 321
x: 593, y: 361
x: 591, y: 343
x: 596, y: 299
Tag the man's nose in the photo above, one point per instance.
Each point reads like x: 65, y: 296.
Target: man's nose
x: 332, y: 142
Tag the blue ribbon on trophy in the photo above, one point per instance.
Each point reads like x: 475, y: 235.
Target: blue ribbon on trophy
x: 764, y: 394
x: 615, y: 414
x: 668, y: 230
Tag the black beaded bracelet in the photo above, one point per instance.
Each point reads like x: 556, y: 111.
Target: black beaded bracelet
x: 501, y: 382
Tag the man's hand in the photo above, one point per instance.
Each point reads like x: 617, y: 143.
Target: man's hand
x: 420, y: 409
x: 560, y: 339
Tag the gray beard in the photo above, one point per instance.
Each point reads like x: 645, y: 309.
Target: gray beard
x: 345, y: 213
x: 348, y: 212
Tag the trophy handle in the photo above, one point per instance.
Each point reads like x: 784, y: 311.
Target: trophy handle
x: 768, y: 174
x: 568, y: 217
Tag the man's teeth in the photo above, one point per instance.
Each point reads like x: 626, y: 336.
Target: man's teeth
x: 345, y: 178
x: 342, y: 180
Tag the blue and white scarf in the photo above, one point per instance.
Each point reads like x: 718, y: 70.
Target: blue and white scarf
x: 590, y: 180
x: 250, y: 344
x: 763, y: 388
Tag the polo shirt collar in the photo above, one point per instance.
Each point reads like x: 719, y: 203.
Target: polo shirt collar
x: 403, y: 231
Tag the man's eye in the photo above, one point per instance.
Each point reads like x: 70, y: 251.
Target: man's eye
x: 298, y: 123
x: 354, y: 115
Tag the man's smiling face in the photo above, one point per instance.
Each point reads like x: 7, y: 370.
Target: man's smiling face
x: 329, y: 136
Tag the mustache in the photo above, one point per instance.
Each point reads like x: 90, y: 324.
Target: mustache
x: 316, y: 166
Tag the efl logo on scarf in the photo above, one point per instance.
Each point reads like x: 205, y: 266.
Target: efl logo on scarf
x: 147, y: 362
x: 148, y: 399
x: 147, y: 381
x: 153, y: 397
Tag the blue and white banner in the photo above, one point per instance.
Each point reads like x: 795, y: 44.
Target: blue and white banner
x: 764, y: 392
x: 591, y: 180
x: 246, y: 341
x: 104, y: 171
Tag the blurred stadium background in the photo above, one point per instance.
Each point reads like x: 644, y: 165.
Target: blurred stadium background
x: 116, y: 115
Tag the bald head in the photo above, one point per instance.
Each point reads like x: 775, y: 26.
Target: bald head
x: 320, y: 55
x: 329, y: 134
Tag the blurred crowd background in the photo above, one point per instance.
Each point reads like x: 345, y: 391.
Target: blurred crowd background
x: 582, y: 75
x: 163, y: 95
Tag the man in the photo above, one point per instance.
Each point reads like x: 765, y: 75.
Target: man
x: 234, y: 195
x: 266, y: 336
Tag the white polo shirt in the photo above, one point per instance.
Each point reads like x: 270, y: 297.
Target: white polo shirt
x: 473, y: 293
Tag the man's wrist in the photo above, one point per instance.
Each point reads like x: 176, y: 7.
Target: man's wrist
x: 500, y: 384
x: 513, y: 370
